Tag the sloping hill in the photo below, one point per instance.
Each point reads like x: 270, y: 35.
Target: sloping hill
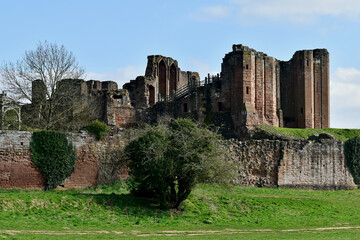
x: 212, y: 209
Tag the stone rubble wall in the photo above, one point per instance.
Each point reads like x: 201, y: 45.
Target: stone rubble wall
x: 292, y: 164
x: 258, y: 162
x: 267, y: 163
x: 314, y: 165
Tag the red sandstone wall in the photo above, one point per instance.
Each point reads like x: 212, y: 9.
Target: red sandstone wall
x: 124, y: 116
x: 16, y: 168
x: 308, y: 89
x: 18, y: 171
x: 259, y: 87
x: 323, y: 54
x: 248, y: 89
x: 317, y: 92
x: 270, y: 91
x: 305, y: 89
x: 290, y: 94
x: 237, y: 90
x: 261, y: 162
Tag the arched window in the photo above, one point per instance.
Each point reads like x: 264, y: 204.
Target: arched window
x: 11, y: 120
x: 173, y: 77
x: 162, y: 79
x: 151, y: 95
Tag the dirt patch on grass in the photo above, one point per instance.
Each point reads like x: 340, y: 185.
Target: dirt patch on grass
x: 168, y: 232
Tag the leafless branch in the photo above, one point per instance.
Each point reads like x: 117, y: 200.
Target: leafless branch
x: 49, y: 63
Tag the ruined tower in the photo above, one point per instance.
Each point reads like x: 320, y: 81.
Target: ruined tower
x: 263, y: 90
x: 305, y: 89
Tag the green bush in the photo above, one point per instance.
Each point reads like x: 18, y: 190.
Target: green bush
x: 53, y: 155
x: 352, y: 155
x: 97, y: 128
x: 167, y: 160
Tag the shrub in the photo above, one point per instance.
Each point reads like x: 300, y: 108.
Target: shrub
x: 167, y: 161
x: 53, y: 155
x: 97, y: 128
x: 352, y: 156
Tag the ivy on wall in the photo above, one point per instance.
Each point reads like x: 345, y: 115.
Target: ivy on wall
x: 352, y: 156
x: 53, y: 155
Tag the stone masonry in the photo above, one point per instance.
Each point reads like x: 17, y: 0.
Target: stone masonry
x: 269, y: 163
x: 18, y: 171
x: 292, y: 164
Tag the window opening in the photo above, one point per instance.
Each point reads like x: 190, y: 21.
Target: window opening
x: 220, y: 106
x: 185, y: 107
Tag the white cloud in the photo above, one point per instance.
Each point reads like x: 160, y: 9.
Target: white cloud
x: 120, y: 75
x: 217, y: 11
x: 212, y: 13
x: 347, y: 75
x: 345, y: 98
x: 297, y: 11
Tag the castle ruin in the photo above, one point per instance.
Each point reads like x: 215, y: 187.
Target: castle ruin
x: 251, y: 89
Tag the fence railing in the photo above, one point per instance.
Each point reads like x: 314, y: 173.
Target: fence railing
x: 189, y: 88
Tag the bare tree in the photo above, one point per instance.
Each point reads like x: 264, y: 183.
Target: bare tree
x: 48, y: 65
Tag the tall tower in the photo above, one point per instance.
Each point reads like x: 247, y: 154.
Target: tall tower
x: 305, y: 89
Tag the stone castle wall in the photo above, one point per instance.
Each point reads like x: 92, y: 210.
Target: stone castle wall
x: 18, y: 171
x: 16, y: 168
x: 292, y: 164
x: 314, y: 165
x: 268, y: 163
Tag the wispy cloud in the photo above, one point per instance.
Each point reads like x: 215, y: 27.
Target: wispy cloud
x: 212, y: 13
x: 217, y: 11
x: 296, y: 11
x: 299, y: 10
x: 120, y: 75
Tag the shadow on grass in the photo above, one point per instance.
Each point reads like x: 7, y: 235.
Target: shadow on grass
x: 126, y: 204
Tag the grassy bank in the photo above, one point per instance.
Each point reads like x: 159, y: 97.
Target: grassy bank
x: 338, y: 133
x: 210, y: 212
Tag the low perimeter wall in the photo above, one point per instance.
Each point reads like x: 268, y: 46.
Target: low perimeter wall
x: 268, y: 163
x: 18, y: 171
x: 292, y: 164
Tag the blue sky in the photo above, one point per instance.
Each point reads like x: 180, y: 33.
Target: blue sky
x: 112, y: 38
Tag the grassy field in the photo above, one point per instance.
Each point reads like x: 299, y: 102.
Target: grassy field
x: 211, y: 212
x: 339, y: 134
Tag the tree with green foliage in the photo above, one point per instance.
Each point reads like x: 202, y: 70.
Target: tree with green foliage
x: 53, y: 155
x: 167, y: 160
x: 352, y: 156
x: 97, y: 128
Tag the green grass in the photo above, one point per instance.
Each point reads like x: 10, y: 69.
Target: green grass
x: 111, y: 213
x: 339, y: 134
